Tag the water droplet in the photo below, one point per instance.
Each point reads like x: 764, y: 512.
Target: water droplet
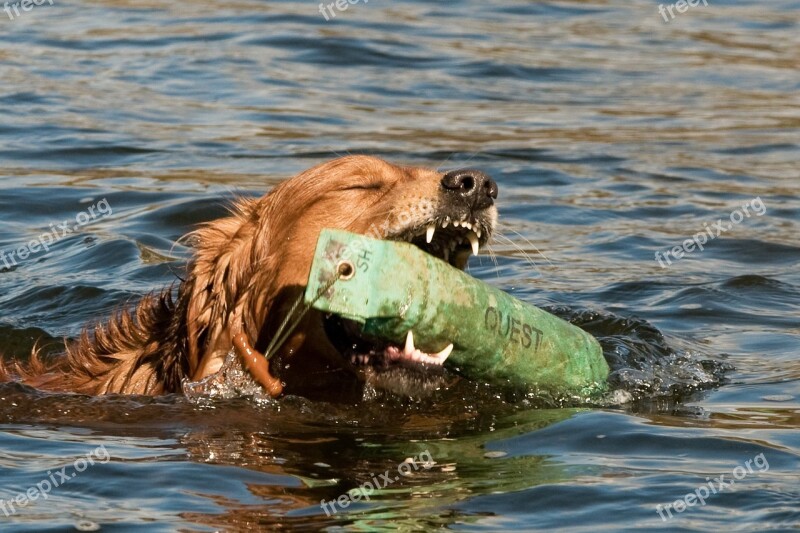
x: 495, y: 455
x: 778, y: 398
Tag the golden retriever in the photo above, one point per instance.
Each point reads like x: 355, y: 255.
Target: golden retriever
x: 248, y: 270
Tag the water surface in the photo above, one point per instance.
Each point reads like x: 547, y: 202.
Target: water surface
x: 613, y: 135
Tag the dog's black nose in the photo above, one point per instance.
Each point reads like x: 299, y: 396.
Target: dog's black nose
x: 475, y: 187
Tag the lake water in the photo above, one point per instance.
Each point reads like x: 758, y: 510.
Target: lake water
x: 614, y: 135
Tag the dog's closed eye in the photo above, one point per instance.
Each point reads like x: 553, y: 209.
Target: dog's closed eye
x: 366, y: 186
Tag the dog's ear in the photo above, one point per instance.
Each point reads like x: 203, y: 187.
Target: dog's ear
x: 218, y: 281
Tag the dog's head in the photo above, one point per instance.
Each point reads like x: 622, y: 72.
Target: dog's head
x: 252, y: 267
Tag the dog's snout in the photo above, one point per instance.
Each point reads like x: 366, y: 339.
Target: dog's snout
x: 475, y: 187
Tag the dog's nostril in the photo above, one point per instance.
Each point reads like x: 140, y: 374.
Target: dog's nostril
x: 473, y: 185
x: 490, y: 187
x: 459, y: 180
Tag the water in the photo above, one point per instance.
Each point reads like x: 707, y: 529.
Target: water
x: 613, y: 135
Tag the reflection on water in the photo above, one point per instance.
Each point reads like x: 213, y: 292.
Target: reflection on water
x: 613, y: 136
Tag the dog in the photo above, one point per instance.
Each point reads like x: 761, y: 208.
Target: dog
x: 250, y: 268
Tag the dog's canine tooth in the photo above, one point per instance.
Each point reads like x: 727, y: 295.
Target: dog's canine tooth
x: 429, y: 232
x: 442, y: 356
x: 477, y: 231
x: 409, y: 349
x: 473, y: 241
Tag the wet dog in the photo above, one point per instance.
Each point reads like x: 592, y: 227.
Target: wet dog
x: 250, y: 268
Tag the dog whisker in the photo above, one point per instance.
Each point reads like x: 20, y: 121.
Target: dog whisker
x: 518, y: 248
x: 536, y: 248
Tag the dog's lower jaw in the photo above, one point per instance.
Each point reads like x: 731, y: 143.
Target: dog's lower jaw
x: 317, y: 373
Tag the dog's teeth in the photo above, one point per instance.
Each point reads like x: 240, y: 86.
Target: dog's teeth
x: 409, y: 349
x: 446, y: 222
x: 467, y: 225
x: 442, y: 356
x: 456, y: 223
x: 477, y: 231
x: 429, y: 233
x: 473, y: 241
